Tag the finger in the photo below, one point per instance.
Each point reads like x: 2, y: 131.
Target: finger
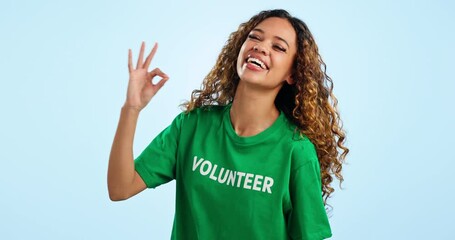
x: 157, y: 72
x: 141, y: 55
x: 149, y: 58
x: 161, y: 83
x: 130, y: 60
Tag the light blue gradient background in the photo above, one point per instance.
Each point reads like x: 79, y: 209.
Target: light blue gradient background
x: 64, y: 75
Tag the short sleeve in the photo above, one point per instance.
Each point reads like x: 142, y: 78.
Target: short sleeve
x: 156, y: 164
x: 308, y: 218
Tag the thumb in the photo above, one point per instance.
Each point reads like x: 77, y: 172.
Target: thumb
x: 161, y: 83
x: 151, y: 89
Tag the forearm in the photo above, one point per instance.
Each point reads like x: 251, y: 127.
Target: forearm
x: 121, y: 160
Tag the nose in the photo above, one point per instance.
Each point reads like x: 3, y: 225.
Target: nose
x: 260, y: 48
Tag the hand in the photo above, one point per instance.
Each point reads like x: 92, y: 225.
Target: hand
x: 140, y: 86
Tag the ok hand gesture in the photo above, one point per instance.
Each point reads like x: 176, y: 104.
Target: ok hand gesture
x: 140, y: 86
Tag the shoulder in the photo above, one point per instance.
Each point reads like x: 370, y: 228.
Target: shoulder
x: 302, y: 149
x: 304, y: 152
x: 207, y: 110
x: 205, y: 114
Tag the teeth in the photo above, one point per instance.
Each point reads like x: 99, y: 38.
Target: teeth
x: 257, y: 61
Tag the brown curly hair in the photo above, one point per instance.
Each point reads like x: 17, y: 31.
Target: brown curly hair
x: 309, y: 103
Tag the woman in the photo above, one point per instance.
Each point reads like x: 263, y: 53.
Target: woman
x: 256, y: 145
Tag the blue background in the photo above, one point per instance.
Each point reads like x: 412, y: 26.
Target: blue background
x: 64, y: 75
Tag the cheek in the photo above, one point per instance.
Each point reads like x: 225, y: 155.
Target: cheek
x: 283, y: 67
x: 241, y: 52
x: 240, y: 58
x: 282, y: 63
x: 287, y: 64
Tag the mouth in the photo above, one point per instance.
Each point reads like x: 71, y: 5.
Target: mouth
x: 257, y: 62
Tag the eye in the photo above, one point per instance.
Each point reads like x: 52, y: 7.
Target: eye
x: 252, y: 36
x: 279, y: 48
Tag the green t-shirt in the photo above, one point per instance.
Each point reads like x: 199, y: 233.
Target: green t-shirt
x: 266, y: 186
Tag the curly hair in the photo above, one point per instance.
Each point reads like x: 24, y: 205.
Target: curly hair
x: 309, y: 103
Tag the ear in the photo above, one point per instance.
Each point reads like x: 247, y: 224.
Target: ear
x: 289, y: 80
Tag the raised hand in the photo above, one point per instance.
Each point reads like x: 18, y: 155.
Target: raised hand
x: 140, y: 86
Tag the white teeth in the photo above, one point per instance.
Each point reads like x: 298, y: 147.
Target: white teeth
x: 255, y: 60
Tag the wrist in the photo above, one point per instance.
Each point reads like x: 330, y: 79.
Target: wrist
x: 131, y: 108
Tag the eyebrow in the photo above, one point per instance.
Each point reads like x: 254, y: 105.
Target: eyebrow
x: 262, y: 31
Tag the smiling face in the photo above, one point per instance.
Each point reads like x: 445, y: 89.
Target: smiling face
x: 268, y: 53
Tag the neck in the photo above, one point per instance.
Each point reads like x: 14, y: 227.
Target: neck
x: 253, y: 110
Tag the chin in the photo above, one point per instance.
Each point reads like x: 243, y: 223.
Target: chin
x: 247, y: 78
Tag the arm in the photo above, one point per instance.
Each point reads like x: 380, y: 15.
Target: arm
x: 308, y: 219
x: 122, y: 180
